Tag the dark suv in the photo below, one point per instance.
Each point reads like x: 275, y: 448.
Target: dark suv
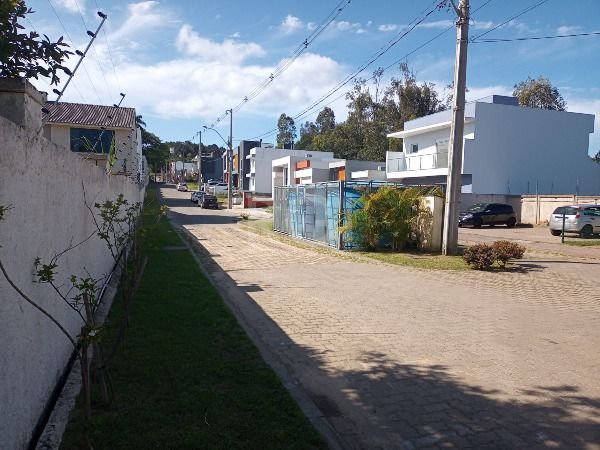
x: 488, y: 214
x: 208, y: 201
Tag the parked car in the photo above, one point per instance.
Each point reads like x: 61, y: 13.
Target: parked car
x: 208, y: 201
x: 581, y: 219
x: 195, y: 196
x: 182, y: 186
x: 219, y: 188
x: 488, y: 214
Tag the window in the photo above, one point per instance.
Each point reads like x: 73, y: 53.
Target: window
x: 592, y: 211
x: 414, y: 148
x: 91, y: 140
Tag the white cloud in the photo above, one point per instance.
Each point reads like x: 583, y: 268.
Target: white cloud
x: 437, y: 24
x: 388, y: 27
x: 568, y: 29
x: 345, y: 26
x: 143, y: 17
x: 310, y: 26
x: 290, y: 24
x: 191, y: 43
x: 369, y: 23
x: 71, y: 5
x: 235, y: 35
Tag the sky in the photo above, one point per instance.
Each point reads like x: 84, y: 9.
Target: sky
x: 183, y: 63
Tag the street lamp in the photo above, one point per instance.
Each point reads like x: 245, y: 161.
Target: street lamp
x: 229, y: 164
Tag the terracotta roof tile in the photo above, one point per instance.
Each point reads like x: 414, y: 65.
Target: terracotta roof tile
x: 91, y: 115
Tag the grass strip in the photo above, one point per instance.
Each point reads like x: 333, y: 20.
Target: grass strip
x: 187, y: 376
x: 418, y: 260
x: 583, y: 242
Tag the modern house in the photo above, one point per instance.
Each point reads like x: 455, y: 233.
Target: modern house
x: 348, y: 169
x: 261, y: 165
x: 301, y: 169
x: 104, y: 134
x: 508, y: 149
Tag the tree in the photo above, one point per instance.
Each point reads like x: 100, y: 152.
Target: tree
x: 596, y: 158
x: 24, y: 54
x: 286, y: 131
x: 325, y: 120
x: 139, y: 121
x: 539, y: 93
x: 156, y: 152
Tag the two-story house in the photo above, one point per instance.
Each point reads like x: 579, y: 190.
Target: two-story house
x: 508, y: 149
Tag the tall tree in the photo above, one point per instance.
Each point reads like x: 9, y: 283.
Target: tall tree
x: 539, y: 93
x: 25, y: 54
x: 286, y: 131
x: 325, y: 120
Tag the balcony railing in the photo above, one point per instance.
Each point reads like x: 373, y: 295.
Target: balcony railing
x: 400, y: 162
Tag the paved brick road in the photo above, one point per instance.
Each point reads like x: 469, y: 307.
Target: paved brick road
x: 402, y: 358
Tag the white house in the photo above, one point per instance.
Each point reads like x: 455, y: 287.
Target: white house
x: 508, y: 149
x: 97, y: 132
x: 301, y: 169
x: 348, y: 169
x: 261, y: 165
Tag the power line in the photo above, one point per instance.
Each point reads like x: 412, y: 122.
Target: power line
x: 535, y: 38
x: 284, y: 65
x: 112, y: 62
x: 382, y: 51
x: 526, y: 10
x: 307, y: 111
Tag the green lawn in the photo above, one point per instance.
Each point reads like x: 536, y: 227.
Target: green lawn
x: 582, y: 242
x: 412, y: 259
x: 187, y: 375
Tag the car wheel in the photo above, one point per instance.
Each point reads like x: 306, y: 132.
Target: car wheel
x: 511, y: 222
x: 586, y: 231
x: 477, y: 223
x: 555, y: 232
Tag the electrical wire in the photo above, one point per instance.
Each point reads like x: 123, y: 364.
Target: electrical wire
x: 526, y: 10
x: 73, y: 46
x: 534, y: 38
x: 307, y: 111
x: 285, y: 64
x: 112, y: 62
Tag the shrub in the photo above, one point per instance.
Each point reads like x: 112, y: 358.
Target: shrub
x: 505, y: 250
x: 479, y: 256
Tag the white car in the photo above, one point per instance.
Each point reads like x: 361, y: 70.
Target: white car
x: 219, y: 188
x: 182, y: 186
x: 581, y: 219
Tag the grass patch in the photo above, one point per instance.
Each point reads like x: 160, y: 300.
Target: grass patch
x: 192, y: 185
x: 411, y: 259
x: 583, y: 242
x: 187, y: 376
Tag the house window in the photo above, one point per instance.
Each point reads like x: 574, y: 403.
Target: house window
x: 91, y: 140
x: 414, y: 148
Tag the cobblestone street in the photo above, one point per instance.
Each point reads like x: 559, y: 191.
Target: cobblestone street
x: 396, y: 357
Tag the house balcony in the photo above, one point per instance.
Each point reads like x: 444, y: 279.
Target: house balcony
x: 401, y: 165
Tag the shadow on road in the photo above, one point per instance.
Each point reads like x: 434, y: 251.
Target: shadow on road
x: 383, y: 403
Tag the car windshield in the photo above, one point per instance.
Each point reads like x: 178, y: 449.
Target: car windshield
x: 478, y: 207
x: 566, y: 210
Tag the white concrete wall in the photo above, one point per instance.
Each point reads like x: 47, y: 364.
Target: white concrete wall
x: 514, y: 148
x: 44, y: 183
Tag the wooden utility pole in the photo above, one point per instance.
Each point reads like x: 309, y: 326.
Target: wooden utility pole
x: 455, y: 149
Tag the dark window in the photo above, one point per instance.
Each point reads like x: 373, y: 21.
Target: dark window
x: 566, y: 210
x: 91, y: 140
x: 592, y: 211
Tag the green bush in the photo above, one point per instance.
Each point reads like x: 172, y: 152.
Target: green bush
x: 479, y: 256
x: 505, y: 250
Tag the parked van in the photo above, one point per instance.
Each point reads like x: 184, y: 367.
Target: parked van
x: 581, y: 219
x: 219, y: 188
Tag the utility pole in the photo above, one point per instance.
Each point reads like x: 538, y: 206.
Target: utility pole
x: 230, y: 162
x: 455, y: 149
x: 200, y: 161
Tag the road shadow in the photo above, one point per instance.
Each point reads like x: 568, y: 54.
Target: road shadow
x: 373, y: 400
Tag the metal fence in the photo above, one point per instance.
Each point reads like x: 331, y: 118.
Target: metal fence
x: 314, y: 211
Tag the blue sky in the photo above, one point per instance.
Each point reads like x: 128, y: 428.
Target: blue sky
x: 182, y: 63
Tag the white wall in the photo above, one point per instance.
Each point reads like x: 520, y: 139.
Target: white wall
x: 514, y: 146
x: 44, y: 183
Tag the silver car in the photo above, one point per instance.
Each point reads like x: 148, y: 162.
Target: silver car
x: 581, y: 219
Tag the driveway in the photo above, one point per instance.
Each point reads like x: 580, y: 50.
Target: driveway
x: 396, y: 357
